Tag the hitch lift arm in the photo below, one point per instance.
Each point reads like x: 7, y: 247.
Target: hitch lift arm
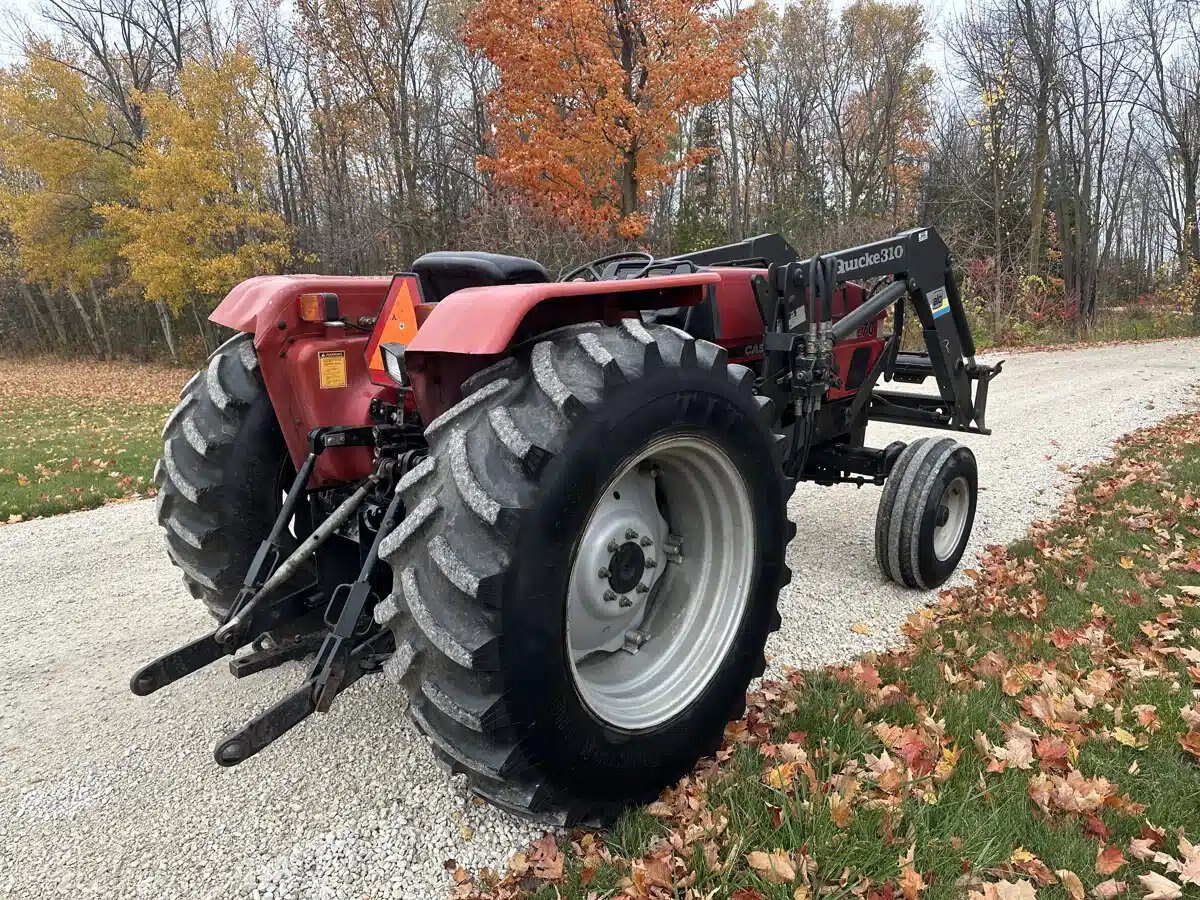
x: 254, y: 611
x: 340, y: 662
x: 295, y: 620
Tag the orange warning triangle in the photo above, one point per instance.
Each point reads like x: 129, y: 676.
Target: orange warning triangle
x: 397, y: 325
x: 400, y: 326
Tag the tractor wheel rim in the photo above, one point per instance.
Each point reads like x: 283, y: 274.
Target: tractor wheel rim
x: 655, y: 601
x: 955, y: 499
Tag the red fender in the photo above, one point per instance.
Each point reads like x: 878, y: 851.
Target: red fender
x: 462, y: 334
x: 289, y: 358
x: 474, y: 327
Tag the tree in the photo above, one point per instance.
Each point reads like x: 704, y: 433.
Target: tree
x: 876, y: 94
x: 1172, y: 40
x: 375, y: 46
x: 590, y: 94
x: 60, y: 146
x: 198, y: 225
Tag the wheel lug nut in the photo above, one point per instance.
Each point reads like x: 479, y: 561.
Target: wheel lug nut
x: 630, y: 534
x: 610, y: 596
x: 646, y: 541
x: 650, y: 563
x: 613, y: 547
x: 603, y: 573
x: 625, y: 602
x: 642, y: 589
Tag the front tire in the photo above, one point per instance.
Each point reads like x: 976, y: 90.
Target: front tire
x: 926, y: 513
x: 503, y: 513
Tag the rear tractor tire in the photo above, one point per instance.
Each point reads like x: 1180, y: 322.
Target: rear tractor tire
x: 222, y: 474
x: 589, y: 568
x: 926, y: 512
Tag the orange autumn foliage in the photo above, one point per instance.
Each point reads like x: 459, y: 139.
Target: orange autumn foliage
x: 590, y: 97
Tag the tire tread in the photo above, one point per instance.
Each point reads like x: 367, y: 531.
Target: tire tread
x: 196, y: 504
x: 446, y: 575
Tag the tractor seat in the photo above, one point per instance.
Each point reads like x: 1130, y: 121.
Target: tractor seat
x: 446, y: 271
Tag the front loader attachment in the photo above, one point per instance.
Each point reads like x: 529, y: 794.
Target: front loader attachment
x: 795, y: 299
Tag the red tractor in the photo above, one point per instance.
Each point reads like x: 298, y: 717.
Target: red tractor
x: 554, y: 511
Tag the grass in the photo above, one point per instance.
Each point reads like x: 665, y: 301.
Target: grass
x: 74, y: 435
x: 1038, y: 735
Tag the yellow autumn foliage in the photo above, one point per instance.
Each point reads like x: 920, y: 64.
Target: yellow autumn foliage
x: 199, y: 224
x: 65, y: 156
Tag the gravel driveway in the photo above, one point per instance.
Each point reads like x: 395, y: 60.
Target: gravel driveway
x: 106, y: 794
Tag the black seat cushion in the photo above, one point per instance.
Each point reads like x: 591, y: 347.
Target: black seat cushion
x: 446, y: 271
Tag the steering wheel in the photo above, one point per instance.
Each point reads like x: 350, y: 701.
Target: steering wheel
x: 592, y: 269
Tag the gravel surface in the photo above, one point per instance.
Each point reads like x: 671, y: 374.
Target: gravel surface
x: 106, y: 794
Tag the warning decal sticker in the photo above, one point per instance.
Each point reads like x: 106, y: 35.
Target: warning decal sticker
x: 331, y: 366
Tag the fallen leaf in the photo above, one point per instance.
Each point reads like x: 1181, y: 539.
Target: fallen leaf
x: 1109, y: 859
x: 1028, y: 864
x: 1159, y: 887
x: 547, y: 861
x: 911, y: 883
x: 1142, y: 848
x: 1188, y: 864
x: 657, y: 872
x: 1071, y: 882
x: 1005, y: 890
x: 780, y: 776
x: 839, y: 811
x: 1124, y: 737
x: 859, y: 628
x: 1106, y: 890
x: 1191, y: 743
x: 1147, y: 716
x: 1126, y: 562
x: 1191, y: 715
x: 774, y: 867
x: 792, y: 752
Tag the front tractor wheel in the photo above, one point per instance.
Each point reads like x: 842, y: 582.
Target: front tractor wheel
x: 926, y: 513
x: 589, y: 568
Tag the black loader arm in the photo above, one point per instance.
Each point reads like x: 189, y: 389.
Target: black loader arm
x: 921, y: 264
x: 796, y: 302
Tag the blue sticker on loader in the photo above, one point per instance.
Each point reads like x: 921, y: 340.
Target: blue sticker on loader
x: 939, y: 303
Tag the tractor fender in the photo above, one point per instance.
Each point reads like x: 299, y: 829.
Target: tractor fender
x: 474, y: 327
x: 315, y: 374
